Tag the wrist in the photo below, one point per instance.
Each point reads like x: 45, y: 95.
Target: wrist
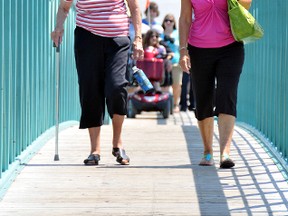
x: 184, y: 48
x: 138, y: 37
x: 184, y: 55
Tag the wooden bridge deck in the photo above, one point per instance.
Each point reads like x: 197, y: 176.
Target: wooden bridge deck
x: 163, y: 179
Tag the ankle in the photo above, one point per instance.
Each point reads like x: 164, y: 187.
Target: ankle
x: 95, y: 152
x: 119, y: 146
x: 208, y: 152
x: 224, y: 156
x: 117, y: 143
x: 208, y: 156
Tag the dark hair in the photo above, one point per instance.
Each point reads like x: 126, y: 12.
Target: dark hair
x: 152, y: 6
x: 173, y: 18
x: 147, y: 37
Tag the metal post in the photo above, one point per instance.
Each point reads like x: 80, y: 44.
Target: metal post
x: 57, y: 63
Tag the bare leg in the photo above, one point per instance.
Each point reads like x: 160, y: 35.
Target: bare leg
x: 117, y: 123
x: 94, y: 133
x: 226, y: 128
x: 118, y: 150
x: 206, y: 127
x: 176, y: 96
x: 94, y: 156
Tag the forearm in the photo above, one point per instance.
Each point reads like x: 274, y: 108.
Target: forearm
x: 62, y: 13
x: 184, y: 26
x: 138, y: 51
x: 136, y: 17
x: 185, y: 21
x: 245, y: 3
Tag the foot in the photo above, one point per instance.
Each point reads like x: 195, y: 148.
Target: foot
x: 207, y: 160
x: 93, y: 159
x: 121, y: 156
x: 226, y: 162
x: 176, y: 109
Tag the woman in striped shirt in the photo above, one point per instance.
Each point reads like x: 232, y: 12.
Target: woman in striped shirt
x: 101, y: 54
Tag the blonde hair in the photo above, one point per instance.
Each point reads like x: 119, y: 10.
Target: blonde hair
x: 173, y: 18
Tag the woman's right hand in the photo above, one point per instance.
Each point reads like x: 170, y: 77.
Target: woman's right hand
x: 57, y: 35
x: 185, y: 63
x: 62, y: 14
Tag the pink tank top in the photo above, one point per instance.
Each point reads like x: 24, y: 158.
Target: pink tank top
x: 210, y: 27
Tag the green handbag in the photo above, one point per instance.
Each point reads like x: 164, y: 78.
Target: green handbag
x: 244, y: 27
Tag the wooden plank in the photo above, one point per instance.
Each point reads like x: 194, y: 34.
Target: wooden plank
x: 163, y: 179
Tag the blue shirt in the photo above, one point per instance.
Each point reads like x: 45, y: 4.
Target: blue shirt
x: 173, y: 45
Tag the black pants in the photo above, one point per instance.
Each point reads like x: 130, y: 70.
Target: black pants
x: 186, y: 84
x: 216, y: 66
x: 101, y: 65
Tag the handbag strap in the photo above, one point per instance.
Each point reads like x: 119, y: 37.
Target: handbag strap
x: 232, y: 4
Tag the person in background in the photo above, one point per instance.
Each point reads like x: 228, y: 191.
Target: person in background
x: 151, y: 44
x: 186, y: 90
x: 151, y: 13
x: 209, y: 51
x: 101, y: 55
x: 167, y: 82
x: 171, y: 38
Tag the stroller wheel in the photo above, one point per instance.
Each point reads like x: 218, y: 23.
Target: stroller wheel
x: 166, y: 110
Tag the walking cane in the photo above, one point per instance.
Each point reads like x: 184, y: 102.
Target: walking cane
x: 57, y: 64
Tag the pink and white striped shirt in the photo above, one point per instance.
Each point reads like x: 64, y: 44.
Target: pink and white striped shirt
x: 107, y: 18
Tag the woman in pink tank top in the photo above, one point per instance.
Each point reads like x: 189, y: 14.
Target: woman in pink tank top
x: 214, y: 60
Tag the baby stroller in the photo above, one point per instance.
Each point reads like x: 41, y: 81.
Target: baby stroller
x: 153, y: 101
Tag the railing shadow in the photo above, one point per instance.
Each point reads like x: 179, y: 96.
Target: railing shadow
x: 252, y: 183
x: 257, y: 187
x: 208, y: 185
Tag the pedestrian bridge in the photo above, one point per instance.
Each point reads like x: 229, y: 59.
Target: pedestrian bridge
x: 163, y: 178
x: 28, y: 112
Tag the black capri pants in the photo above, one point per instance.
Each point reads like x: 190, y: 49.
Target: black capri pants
x: 215, y: 76
x: 101, y: 66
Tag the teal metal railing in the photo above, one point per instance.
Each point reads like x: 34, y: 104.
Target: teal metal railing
x: 27, y: 78
x: 263, y: 91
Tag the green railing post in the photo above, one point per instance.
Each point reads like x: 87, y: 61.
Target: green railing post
x: 1, y: 88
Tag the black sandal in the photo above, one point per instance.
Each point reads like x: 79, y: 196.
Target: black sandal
x: 93, y: 159
x: 227, y: 164
x: 121, y: 156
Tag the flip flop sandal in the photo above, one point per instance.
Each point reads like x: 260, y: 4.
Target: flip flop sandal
x: 207, y: 160
x: 227, y: 163
x: 93, y: 159
x: 121, y: 156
